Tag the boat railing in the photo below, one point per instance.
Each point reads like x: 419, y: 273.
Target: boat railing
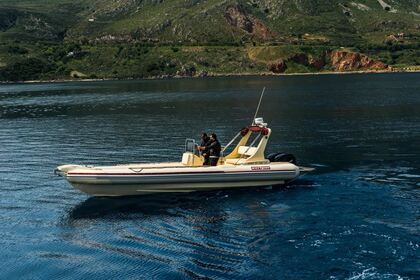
x: 191, y: 146
x: 231, y: 142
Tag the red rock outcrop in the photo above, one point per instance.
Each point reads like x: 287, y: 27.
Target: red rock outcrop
x: 351, y: 61
x: 278, y: 66
x: 238, y: 18
x: 262, y: 31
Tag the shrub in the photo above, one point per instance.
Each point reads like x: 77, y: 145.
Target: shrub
x: 16, y: 50
x: 26, y: 69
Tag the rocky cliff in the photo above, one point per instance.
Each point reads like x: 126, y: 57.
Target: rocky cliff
x: 238, y: 18
x: 338, y: 60
x: 352, y: 61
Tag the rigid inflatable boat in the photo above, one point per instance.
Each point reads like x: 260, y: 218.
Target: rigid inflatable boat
x: 244, y: 166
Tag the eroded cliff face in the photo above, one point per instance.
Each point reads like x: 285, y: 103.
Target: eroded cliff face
x: 238, y: 18
x: 353, y: 61
x: 339, y: 60
x: 278, y: 66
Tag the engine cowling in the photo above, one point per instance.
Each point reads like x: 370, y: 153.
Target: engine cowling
x: 282, y: 157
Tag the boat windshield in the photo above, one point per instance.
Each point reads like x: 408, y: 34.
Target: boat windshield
x: 191, y: 146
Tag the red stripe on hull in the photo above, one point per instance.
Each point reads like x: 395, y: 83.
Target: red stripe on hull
x: 176, y: 173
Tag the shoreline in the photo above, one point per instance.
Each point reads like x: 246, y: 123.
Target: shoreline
x: 213, y: 75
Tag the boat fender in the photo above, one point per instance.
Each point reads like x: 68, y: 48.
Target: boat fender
x: 284, y: 157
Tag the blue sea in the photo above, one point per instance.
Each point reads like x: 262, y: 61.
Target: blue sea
x: 356, y: 217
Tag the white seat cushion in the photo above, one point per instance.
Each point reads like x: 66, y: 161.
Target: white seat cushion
x: 236, y: 161
x: 246, y: 150
x: 186, y: 158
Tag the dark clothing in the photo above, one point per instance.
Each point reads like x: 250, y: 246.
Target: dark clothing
x: 205, y: 141
x: 213, y: 161
x: 214, y: 148
x: 206, y: 159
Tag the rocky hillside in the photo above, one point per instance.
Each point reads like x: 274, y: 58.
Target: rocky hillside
x: 211, y: 21
x: 268, y: 35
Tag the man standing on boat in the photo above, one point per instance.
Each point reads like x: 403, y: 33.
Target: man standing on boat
x: 214, y: 149
x: 205, y: 141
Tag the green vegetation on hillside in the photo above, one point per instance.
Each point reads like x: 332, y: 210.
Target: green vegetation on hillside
x: 57, y: 39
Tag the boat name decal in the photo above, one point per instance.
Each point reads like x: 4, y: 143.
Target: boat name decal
x: 260, y: 168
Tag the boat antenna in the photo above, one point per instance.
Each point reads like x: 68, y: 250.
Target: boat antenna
x: 258, y: 107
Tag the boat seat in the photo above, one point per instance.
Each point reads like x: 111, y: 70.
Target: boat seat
x: 190, y: 159
x: 236, y: 161
x: 244, y: 152
x: 247, y: 151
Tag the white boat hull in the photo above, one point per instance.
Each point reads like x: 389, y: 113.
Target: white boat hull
x: 143, y: 189
x: 140, y: 180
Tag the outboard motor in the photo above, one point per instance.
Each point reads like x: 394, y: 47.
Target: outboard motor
x: 282, y: 157
x: 271, y: 157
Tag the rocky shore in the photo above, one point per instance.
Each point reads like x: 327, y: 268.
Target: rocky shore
x: 214, y: 75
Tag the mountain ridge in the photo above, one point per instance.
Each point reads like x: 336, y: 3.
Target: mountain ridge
x: 68, y: 34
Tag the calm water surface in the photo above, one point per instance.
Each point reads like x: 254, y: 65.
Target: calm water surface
x: 356, y: 217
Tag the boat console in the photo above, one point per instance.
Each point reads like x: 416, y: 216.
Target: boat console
x: 249, y: 149
x: 191, y: 156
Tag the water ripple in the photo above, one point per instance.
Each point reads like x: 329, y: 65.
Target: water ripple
x: 356, y: 217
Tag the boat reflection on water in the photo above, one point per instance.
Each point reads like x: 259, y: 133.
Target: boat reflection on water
x: 188, y: 234
x: 129, y: 207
